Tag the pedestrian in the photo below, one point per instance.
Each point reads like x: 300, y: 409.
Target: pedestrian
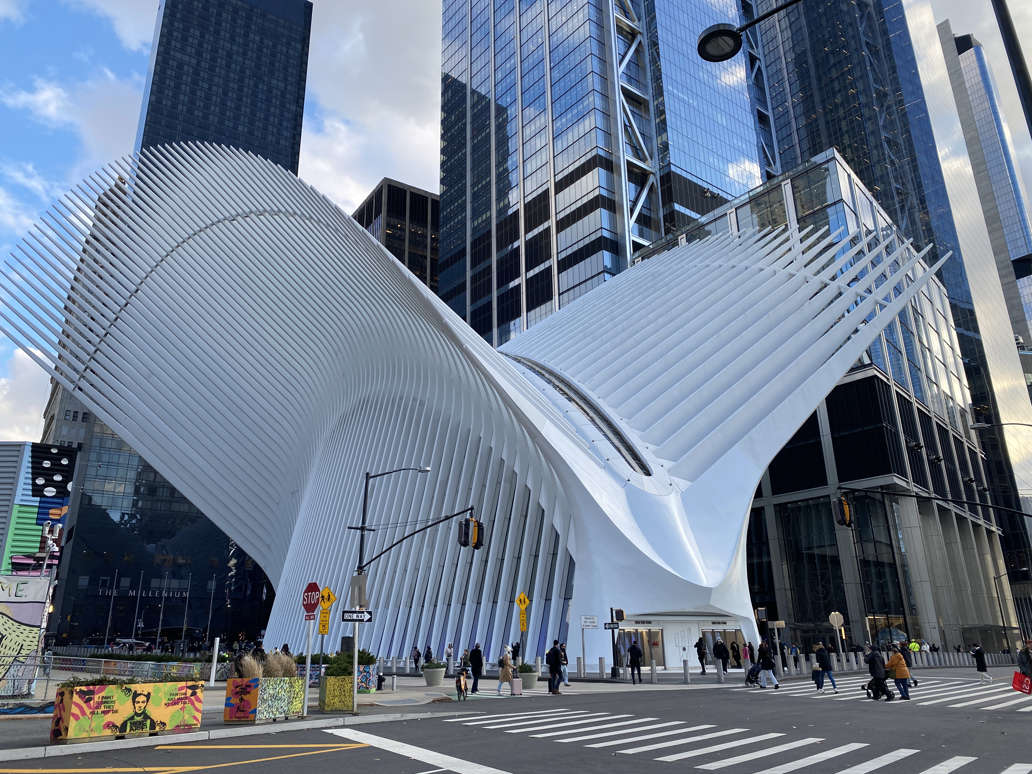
x: 736, y: 655
x: 285, y: 650
x: 415, y: 656
x: 767, y: 666
x: 794, y: 651
x: 1025, y: 659
x: 979, y: 656
x: 876, y: 688
x: 898, y: 671
x: 700, y: 651
x: 823, y: 659
x: 721, y: 653
x: 505, y: 669
x: 428, y: 654
x: 907, y: 652
x: 554, y: 659
x: 752, y: 652
x: 565, y: 663
x: 634, y: 654
x: 515, y: 653
x: 476, y: 664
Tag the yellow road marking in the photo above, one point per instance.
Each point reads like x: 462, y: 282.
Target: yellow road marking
x: 201, y: 767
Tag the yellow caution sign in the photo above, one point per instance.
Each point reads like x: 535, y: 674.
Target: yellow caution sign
x: 326, y: 599
x: 523, y: 620
x: 522, y: 601
x: 324, y: 621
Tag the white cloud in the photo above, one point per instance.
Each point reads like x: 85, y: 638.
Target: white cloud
x: 133, y: 20
x: 12, y: 10
x: 46, y: 102
x: 15, y: 215
x: 23, y: 396
x: 25, y: 175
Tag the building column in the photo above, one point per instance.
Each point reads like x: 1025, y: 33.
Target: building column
x: 779, y: 566
x: 947, y: 608
x: 918, y: 567
x: 955, y: 560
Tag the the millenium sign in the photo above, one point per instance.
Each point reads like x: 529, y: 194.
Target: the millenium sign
x: 262, y: 351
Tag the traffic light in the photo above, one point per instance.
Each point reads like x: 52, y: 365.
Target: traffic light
x: 464, y: 533
x: 843, y: 511
x: 476, y: 534
x: 618, y: 615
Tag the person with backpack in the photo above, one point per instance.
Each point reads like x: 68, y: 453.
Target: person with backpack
x: 876, y: 688
x: 823, y: 659
x: 554, y: 659
x: 767, y: 666
x: 907, y: 651
x: 721, y: 654
x: 700, y: 651
x: 476, y: 665
x: 634, y: 654
x: 897, y: 670
x: 980, y: 666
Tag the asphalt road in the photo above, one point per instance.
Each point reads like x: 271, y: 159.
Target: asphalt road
x: 951, y: 724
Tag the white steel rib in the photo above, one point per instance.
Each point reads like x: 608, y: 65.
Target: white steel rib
x: 262, y: 351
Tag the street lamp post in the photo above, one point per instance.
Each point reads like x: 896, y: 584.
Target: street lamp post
x: 987, y: 425
x: 999, y: 594
x: 358, y: 595
x: 723, y: 41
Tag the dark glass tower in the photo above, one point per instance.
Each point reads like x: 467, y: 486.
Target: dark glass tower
x: 137, y: 551
x: 574, y: 133
x: 230, y: 72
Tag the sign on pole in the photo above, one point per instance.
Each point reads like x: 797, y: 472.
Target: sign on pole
x: 522, y: 602
x: 310, y: 600
x: 324, y: 621
x: 589, y: 621
x: 523, y: 620
x: 835, y: 619
x: 357, y: 616
x: 777, y: 624
x: 326, y: 598
x: 611, y: 625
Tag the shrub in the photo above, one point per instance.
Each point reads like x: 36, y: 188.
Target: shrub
x: 100, y: 680
x: 525, y: 668
x: 250, y: 667
x: 435, y: 665
x: 339, y: 665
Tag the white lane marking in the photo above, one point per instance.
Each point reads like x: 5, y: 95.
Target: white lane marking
x: 620, y: 732
x: 1022, y: 700
x: 1018, y: 768
x: 723, y: 764
x: 594, y: 717
x: 440, y: 760
x: 718, y: 747
x: 991, y: 696
x: 803, y: 763
x: 682, y: 740
x: 1025, y: 709
x: 431, y: 771
x: 952, y: 764
x: 965, y: 694
x: 595, y: 728
x: 954, y: 691
x: 491, y: 718
x: 521, y: 723
x: 880, y: 761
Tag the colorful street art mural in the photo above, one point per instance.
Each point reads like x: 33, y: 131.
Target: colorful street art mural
x: 267, y: 698
x: 23, y: 603
x: 137, y: 709
x: 241, y: 700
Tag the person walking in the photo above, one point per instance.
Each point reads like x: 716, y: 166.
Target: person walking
x: 634, y: 655
x: 1025, y: 659
x: 767, y: 666
x: 907, y: 652
x: 554, y: 659
x: 476, y: 665
x: 565, y: 663
x: 898, y: 671
x: 505, y: 669
x: 824, y: 665
x: 428, y: 654
x: 876, y: 668
x: 721, y: 653
x: 415, y: 656
x: 515, y: 653
x: 979, y: 656
x: 736, y: 655
x: 751, y: 652
x: 700, y: 651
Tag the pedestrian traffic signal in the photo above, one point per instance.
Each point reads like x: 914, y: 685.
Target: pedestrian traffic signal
x: 843, y: 511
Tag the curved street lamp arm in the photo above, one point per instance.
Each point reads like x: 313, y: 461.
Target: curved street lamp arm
x: 361, y: 567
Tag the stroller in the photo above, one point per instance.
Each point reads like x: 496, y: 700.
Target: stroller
x: 462, y: 679
x: 752, y: 677
x: 875, y: 689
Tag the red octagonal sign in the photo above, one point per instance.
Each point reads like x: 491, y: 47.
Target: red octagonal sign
x: 310, y: 597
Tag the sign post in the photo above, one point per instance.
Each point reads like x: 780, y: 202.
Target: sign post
x: 778, y: 668
x: 836, y: 620
x: 522, y: 602
x: 309, y: 601
x: 326, y: 600
x: 586, y: 622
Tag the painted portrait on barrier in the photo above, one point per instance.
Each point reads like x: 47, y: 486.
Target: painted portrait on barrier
x: 22, y: 608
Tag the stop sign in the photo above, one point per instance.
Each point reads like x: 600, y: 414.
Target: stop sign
x: 310, y: 597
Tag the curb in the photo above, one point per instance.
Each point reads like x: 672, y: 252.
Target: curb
x: 53, y: 751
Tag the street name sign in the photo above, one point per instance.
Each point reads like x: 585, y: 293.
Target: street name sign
x: 589, y: 621
x: 357, y: 616
x: 310, y: 600
x: 522, y: 601
x: 611, y: 625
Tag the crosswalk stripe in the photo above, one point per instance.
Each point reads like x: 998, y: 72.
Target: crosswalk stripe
x: 952, y: 764
x: 803, y: 763
x: 759, y: 754
x: 964, y: 694
x: 953, y: 690
x: 594, y: 728
x: 488, y: 719
x: 1023, y: 699
x: 528, y: 721
x: 551, y: 725
x: 1025, y: 709
x: 529, y: 725
x: 671, y: 742
x: 622, y: 731
x: 717, y: 747
x: 1018, y: 768
x: 880, y: 761
x: 993, y: 697
x: 659, y: 734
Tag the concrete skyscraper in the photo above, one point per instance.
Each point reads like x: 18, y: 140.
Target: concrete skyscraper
x: 573, y: 134
x: 231, y: 72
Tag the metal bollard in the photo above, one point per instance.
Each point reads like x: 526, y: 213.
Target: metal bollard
x: 581, y: 672
x: 601, y: 667
x: 652, y: 672
x: 687, y: 671
x: 537, y: 665
x: 394, y: 682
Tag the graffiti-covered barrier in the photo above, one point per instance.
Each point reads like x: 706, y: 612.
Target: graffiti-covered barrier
x: 263, y: 698
x: 133, y: 709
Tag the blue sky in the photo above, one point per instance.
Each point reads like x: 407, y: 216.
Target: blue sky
x: 72, y: 74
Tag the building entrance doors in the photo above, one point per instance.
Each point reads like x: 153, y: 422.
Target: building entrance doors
x: 649, y: 640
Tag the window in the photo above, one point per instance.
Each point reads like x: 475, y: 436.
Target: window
x: 68, y: 414
x: 85, y: 416
x: 75, y: 416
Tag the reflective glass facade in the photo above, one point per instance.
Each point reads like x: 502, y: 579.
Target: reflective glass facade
x: 573, y: 133
x: 231, y: 72
x: 405, y: 220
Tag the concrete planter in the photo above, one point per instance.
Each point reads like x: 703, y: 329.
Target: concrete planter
x: 434, y: 677
x: 530, y: 679
x: 249, y: 700
x: 335, y: 694
x: 119, y: 711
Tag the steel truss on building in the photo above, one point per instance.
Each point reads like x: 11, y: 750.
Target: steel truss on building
x: 263, y: 352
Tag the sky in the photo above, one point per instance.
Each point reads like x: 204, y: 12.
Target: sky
x: 71, y: 82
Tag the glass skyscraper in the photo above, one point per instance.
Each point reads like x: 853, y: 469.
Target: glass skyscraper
x: 573, y: 134
x: 844, y: 74
x: 231, y: 72
x: 999, y: 188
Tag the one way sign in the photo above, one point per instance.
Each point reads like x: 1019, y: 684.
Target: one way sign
x: 359, y: 616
